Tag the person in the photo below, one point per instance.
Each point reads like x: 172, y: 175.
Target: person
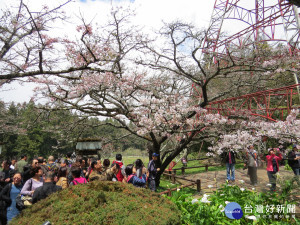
x: 294, y: 160
x: 41, y: 164
x: 77, y: 179
x: 27, y: 170
x: 21, y: 163
x: 46, y: 189
x: 13, y: 163
x: 68, y: 159
x: 229, y: 159
x: 121, y: 173
x: 34, y: 182
x: 9, y: 195
x: 152, y: 170
x: 132, y: 178
x: 6, y: 173
x: 106, y: 164
x: 112, y: 173
x: 62, y: 177
x: 251, y: 161
x: 273, y: 166
x: 51, y: 165
x: 95, y: 172
x: 139, y: 165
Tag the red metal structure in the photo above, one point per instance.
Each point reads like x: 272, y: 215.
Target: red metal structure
x: 271, y: 104
x: 256, y: 21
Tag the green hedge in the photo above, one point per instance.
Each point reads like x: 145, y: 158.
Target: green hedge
x: 102, y: 203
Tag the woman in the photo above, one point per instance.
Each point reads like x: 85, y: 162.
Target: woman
x: 139, y: 165
x: 9, y: 195
x: 273, y: 166
x: 34, y: 182
x: 77, y: 179
x: 62, y: 177
x: 130, y: 171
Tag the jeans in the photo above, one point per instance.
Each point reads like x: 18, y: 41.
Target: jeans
x: 152, y: 185
x: 272, y: 180
x: 297, y: 175
x: 230, y: 167
x: 296, y: 171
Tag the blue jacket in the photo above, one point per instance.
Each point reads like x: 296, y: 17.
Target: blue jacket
x: 138, y: 182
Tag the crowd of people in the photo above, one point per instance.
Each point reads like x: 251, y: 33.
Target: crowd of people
x: 252, y: 160
x: 29, y: 183
x: 23, y: 184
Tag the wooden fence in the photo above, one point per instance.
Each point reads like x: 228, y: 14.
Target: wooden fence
x: 173, y: 177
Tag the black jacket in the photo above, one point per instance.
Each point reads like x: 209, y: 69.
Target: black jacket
x: 225, y: 157
x: 5, y: 194
x: 291, y: 160
x: 44, y: 191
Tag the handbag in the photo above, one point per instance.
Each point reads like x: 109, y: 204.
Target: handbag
x: 23, y: 201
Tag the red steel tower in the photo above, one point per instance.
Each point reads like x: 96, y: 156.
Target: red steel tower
x: 253, y: 22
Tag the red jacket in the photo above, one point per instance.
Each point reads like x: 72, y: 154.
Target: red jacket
x: 119, y: 175
x: 269, y: 161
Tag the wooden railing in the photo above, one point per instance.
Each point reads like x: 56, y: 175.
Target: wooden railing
x: 173, y: 177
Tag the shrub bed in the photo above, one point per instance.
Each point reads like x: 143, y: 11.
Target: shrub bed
x: 102, y: 203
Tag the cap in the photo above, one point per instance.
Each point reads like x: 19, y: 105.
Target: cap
x: 155, y: 154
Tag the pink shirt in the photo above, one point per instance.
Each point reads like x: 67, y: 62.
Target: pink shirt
x: 269, y: 161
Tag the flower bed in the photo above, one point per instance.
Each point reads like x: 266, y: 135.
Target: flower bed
x: 256, y: 207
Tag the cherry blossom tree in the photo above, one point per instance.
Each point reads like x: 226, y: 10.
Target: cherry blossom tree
x: 28, y: 47
x: 114, y: 71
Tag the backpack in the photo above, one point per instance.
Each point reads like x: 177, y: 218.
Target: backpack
x: 52, y: 167
x: 76, y: 181
x: 291, y: 162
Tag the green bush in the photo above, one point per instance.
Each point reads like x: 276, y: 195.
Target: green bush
x: 102, y: 203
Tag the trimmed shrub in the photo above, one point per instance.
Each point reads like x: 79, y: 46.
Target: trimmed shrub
x: 102, y: 203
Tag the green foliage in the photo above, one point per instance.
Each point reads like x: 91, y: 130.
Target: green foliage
x: 287, y: 167
x: 36, y: 132
x: 213, y: 212
x: 102, y: 203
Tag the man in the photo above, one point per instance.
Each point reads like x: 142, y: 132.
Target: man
x: 294, y: 162
x: 251, y: 161
x: 152, y: 170
x: 51, y: 165
x: 121, y: 173
x: 48, y: 188
x: 6, y: 174
x: 21, y: 163
x: 229, y: 158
